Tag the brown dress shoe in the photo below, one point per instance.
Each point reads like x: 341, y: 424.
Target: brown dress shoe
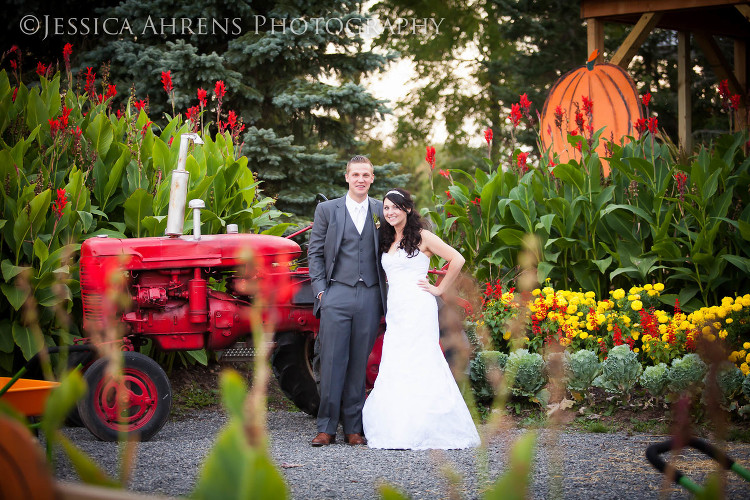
x: 323, y: 439
x: 355, y: 440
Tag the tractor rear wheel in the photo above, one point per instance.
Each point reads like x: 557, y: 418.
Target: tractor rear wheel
x: 85, y: 359
x: 293, y: 361
x: 138, y: 405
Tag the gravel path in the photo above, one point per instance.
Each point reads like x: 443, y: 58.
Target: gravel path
x: 594, y: 465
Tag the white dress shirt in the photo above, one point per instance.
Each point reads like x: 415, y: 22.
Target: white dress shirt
x: 358, y: 212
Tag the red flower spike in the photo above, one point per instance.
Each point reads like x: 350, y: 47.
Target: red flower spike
x: 41, y: 69
x: 515, y: 114
x: 192, y: 113
x: 15, y: 93
x: 488, y: 135
x: 558, y: 117
x: 90, y: 80
x: 653, y: 124
x: 580, y: 120
x: 430, y: 157
x: 232, y: 119
x: 13, y: 64
x: 724, y: 89
x: 67, y: 51
x: 735, y: 102
x: 445, y: 174
x: 646, y: 99
x: 524, y: 103
x: 59, y: 204
x: 166, y: 81
x: 202, y: 97
x: 139, y: 105
x: 220, y: 90
x: 588, y: 105
x: 641, y: 125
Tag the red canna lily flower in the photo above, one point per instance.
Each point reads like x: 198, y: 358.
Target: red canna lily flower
x: 580, y: 121
x: 641, y: 125
x: 735, y: 102
x: 67, y: 51
x: 166, y: 81
x: 90, y: 81
x: 111, y: 91
x: 13, y: 64
x: 515, y: 114
x: 476, y: 201
x: 59, y: 204
x: 445, y: 174
x: 232, y: 119
x: 15, y: 93
x: 41, y: 69
x: 646, y: 99
x: 524, y: 103
x: 202, y: 97
x: 430, y: 157
x: 724, y: 89
x: 653, y: 123
x: 558, y: 117
x: 219, y: 90
x: 521, y: 160
x: 192, y: 113
x: 139, y: 105
x: 488, y: 135
x: 587, y: 105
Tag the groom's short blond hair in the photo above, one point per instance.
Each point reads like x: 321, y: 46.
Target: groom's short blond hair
x: 358, y: 159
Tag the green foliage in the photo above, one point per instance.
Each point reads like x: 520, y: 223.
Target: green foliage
x: 234, y: 468
x: 526, y: 371
x: 71, y: 170
x: 479, y: 369
x: 686, y: 373
x: 620, y: 371
x: 638, y: 225
x: 654, y: 379
x: 582, y: 367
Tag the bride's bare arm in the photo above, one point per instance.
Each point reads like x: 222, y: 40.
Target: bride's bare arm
x: 432, y: 244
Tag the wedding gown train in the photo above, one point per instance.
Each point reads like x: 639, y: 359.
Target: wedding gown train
x: 415, y: 403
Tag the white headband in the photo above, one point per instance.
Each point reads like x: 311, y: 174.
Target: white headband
x: 393, y: 191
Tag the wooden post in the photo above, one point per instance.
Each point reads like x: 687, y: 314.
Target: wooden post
x: 740, y: 71
x: 684, y: 106
x: 635, y: 39
x: 595, y: 37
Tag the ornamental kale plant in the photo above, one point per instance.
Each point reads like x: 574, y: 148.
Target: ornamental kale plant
x: 480, y: 370
x: 620, y: 371
x: 729, y: 378
x: 582, y: 367
x: 686, y: 373
x: 654, y: 379
x: 525, y: 371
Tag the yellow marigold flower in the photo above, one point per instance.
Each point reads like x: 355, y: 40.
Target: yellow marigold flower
x: 697, y: 317
x: 733, y: 357
x: 584, y: 335
x: 746, y: 345
x: 722, y: 334
x: 736, y: 307
x: 600, y: 318
x: 626, y: 320
x: 685, y: 325
x: 711, y: 337
x: 618, y: 294
x: 706, y: 330
x: 589, y: 295
x: 743, y: 353
x: 747, y: 358
x: 506, y: 335
x: 636, y: 350
x: 651, y: 293
x: 663, y: 318
x: 646, y: 338
x: 634, y: 289
x: 727, y: 301
x: 665, y: 337
x: 579, y: 313
x: 635, y: 335
x: 536, y: 292
x: 648, y: 286
x: 659, y: 287
x: 636, y: 305
x: 662, y: 328
x: 722, y: 313
x: 548, y: 290
x: 745, y: 368
x: 609, y: 328
x: 571, y: 309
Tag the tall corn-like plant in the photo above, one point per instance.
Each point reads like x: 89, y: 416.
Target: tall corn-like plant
x: 70, y: 169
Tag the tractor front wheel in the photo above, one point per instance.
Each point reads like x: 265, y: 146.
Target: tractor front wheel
x: 293, y: 361
x: 137, y: 404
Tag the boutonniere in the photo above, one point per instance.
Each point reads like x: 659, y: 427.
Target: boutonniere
x: 376, y: 220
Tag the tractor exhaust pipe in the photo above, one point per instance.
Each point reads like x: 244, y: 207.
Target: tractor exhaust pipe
x: 179, y: 188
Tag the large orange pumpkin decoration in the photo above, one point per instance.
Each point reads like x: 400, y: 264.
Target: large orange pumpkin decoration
x: 615, y: 104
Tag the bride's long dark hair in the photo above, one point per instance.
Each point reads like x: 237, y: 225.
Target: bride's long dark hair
x: 411, y: 238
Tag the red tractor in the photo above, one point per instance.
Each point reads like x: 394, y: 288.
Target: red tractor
x: 186, y: 293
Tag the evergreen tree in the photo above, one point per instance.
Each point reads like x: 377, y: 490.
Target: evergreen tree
x: 291, y: 71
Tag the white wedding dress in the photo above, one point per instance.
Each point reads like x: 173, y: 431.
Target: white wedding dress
x: 415, y: 403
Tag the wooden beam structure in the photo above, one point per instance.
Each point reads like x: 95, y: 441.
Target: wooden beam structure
x: 635, y: 39
x: 700, y: 19
x: 684, y: 108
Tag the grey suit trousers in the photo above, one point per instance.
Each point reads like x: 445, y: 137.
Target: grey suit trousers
x: 349, y: 320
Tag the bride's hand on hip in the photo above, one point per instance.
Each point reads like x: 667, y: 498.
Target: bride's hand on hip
x: 429, y: 287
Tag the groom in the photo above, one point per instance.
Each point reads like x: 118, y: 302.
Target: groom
x: 349, y: 287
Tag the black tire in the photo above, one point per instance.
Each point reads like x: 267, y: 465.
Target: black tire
x: 149, y: 399
x: 292, y: 363
x: 85, y: 359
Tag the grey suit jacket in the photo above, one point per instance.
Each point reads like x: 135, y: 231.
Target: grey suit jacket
x: 325, y: 240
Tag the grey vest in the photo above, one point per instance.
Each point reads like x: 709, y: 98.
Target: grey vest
x: 356, y: 257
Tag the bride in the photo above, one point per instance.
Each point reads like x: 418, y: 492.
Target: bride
x: 415, y: 403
